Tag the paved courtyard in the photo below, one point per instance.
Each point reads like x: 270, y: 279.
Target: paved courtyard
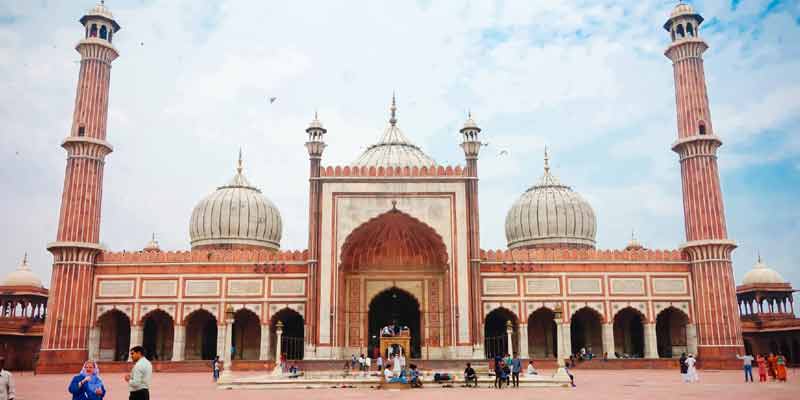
x: 592, y: 384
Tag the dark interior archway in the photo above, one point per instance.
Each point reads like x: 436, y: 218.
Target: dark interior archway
x: 396, y: 306
x: 201, y: 336
x: 115, y: 336
x: 496, y: 333
x: 246, y: 335
x: 671, y: 333
x: 158, y: 333
x: 293, y: 336
x: 629, y: 333
x: 542, y: 339
x: 586, y: 332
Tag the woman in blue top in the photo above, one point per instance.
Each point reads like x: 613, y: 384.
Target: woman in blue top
x: 87, y: 385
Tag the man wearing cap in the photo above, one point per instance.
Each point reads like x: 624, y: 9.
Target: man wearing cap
x: 6, y: 383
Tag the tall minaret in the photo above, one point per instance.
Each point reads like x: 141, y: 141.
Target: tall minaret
x: 707, y: 245
x: 471, y: 145
x: 315, y: 146
x: 77, y: 242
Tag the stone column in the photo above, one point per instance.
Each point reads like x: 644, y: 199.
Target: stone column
x: 564, y: 341
x: 263, y: 353
x: 523, y: 340
x: 221, y: 351
x: 278, y: 333
x: 509, y: 332
x: 179, y: 343
x: 691, y: 338
x: 94, y: 343
x: 136, y: 337
x: 608, y: 339
x: 650, y: 341
x: 227, y: 367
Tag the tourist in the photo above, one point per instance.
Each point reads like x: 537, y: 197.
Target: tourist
x: 87, y: 384
x: 215, y: 366
x: 346, y: 369
x: 747, y: 364
x: 140, y: 376
x: 772, y: 364
x: 691, y: 371
x: 531, y: 370
x: 353, y: 362
x: 283, y: 362
x: 507, y: 359
x: 506, y: 373
x: 379, y: 361
x: 571, y: 377
x: 402, y: 358
x: 780, y: 368
x: 762, y: 368
x: 397, y: 366
x: 361, y: 362
x: 470, y: 375
x: 516, y: 368
x: 367, y: 363
x: 583, y: 353
x: 498, y: 372
x: 416, y: 380
x: 387, y: 373
x: 7, y: 391
x: 684, y: 368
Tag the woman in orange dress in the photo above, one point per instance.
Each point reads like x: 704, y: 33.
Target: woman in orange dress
x: 773, y: 365
x: 780, y: 371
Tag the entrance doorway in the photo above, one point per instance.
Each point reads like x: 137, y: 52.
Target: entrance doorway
x: 398, y: 307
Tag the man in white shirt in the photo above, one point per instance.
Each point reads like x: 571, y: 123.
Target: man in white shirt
x: 6, y: 383
x: 140, y: 376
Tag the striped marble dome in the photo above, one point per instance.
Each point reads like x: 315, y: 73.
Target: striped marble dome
x: 394, y: 149
x: 236, y: 215
x: 550, y: 214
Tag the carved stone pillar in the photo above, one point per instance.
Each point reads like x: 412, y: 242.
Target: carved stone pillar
x: 691, y: 338
x: 263, y: 353
x: 94, y: 343
x: 650, y: 341
x: 179, y: 343
x: 136, y: 337
x: 608, y: 339
x: 522, y: 334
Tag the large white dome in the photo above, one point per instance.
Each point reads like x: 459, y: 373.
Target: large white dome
x: 394, y: 149
x: 761, y: 273
x: 550, y: 215
x: 236, y: 215
x: 22, y: 276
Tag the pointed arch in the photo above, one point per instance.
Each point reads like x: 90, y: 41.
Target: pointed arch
x: 671, y: 336
x: 629, y: 332
x: 586, y: 330
x: 246, y: 335
x: 158, y: 332
x: 495, y: 331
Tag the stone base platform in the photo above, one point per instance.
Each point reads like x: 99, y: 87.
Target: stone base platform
x: 332, y: 379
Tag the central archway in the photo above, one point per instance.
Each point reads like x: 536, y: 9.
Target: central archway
x: 394, y: 266
x: 398, y: 307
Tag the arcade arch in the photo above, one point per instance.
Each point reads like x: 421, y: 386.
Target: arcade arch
x: 671, y: 337
x: 495, y: 332
x: 246, y: 335
x: 201, y: 336
x: 542, y: 336
x: 115, y: 336
x: 399, y: 307
x: 629, y: 333
x: 157, y: 335
x: 292, y: 337
x: 586, y: 331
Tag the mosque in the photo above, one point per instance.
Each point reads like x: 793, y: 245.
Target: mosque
x: 393, y: 237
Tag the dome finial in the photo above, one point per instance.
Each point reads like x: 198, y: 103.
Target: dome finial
x: 24, y: 264
x: 393, y: 111
x: 759, y: 256
x: 546, y: 160
x: 239, y: 167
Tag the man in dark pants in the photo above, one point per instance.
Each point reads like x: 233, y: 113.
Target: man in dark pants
x: 140, y: 376
x: 516, y: 367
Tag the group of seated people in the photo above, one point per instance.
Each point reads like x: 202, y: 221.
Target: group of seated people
x: 393, y: 330
x: 410, y: 375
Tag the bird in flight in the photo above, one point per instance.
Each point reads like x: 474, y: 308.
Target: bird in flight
x: 503, y: 153
x: 272, y: 99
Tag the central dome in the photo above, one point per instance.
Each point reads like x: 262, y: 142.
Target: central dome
x: 236, y: 215
x: 550, y: 215
x: 394, y: 149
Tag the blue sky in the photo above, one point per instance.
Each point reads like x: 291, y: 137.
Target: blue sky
x: 587, y: 78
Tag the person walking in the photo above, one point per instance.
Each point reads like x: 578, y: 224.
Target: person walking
x: 772, y: 365
x: 140, y: 376
x: 780, y: 369
x: 498, y: 372
x: 7, y: 391
x: 215, y: 366
x: 747, y: 364
x: 684, y: 367
x: 379, y: 361
x: 87, y: 384
x: 762, y: 368
x: 691, y: 371
x: 516, y: 368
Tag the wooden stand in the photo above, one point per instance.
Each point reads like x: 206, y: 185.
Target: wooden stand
x: 403, y: 340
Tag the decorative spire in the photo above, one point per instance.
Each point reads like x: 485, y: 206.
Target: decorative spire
x: 24, y: 265
x: 393, y: 111
x: 239, y: 165
x: 546, y: 160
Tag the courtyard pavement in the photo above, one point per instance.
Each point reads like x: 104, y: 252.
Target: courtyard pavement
x: 591, y: 385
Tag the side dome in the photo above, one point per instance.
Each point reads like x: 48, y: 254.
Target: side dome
x: 760, y: 274
x: 236, y: 215
x: 393, y: 149
x: 550, y: 214
x: 22, y: 276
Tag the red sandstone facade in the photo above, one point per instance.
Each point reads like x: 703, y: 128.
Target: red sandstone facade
x: 394, y: 226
